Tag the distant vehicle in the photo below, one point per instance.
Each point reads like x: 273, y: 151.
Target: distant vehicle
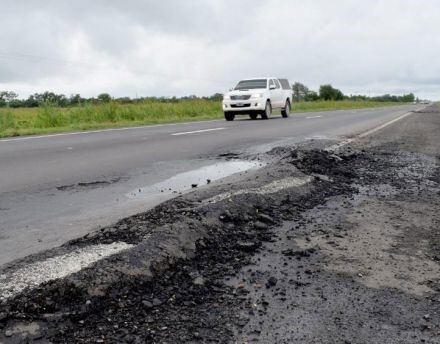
x: 260, y: 96
x: 423, y: 102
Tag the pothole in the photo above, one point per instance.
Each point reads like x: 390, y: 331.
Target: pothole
x: 88, y: 185
x: 195, y: 178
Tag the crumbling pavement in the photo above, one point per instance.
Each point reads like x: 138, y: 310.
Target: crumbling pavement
x: 323, y: 259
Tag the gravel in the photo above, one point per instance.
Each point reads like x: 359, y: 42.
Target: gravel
x: 288, y: 254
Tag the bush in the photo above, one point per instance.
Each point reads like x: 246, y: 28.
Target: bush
x: 104, y: 98
x: 328, y: 92
x: 110, y: 112
x: 49, y: 117
x: 311, y: 96
x: 6, y: 120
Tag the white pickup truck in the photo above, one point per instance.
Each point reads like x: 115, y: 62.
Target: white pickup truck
x: 255, y: 97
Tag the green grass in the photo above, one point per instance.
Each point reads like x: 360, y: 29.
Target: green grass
x: 44, y: 120
x: 338, y: 105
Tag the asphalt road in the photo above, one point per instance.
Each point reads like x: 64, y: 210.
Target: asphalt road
x: 58, y: 187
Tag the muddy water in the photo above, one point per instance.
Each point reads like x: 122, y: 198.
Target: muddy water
x: 195, y: 178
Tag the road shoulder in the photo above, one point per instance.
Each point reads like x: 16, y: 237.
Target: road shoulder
x: 317, y: 246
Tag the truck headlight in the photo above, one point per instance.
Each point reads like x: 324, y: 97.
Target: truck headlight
x: 257, y: 95
x: 226, y: 97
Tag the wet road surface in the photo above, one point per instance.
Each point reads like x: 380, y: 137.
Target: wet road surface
x: 58, y: 187
x: 316, y: 246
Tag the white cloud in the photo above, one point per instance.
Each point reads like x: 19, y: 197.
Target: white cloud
x: 202, y: 47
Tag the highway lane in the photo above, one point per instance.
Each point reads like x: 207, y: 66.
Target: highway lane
x: 42, y: 200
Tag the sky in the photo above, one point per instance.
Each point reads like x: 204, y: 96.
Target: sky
x: 183, y: 47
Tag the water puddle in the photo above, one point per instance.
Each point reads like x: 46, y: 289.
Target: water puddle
x: 195, y: 178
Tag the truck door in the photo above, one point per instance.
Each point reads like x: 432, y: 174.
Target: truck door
x: 277, y: 94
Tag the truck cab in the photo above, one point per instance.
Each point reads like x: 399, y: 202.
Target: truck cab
x: 258, y: 97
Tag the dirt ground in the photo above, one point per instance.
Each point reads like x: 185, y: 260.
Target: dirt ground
x: 316, y: 247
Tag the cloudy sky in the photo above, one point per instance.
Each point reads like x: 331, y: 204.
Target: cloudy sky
x: 181, y: 47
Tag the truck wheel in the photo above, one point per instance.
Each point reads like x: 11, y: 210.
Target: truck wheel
x: 285, y: 112
x: 253, y: 116
x: 268, y: 111
x: 229, y: 116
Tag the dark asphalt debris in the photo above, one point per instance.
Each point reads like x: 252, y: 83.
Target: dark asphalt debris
x: 195, y: 298
x: 136, y: 309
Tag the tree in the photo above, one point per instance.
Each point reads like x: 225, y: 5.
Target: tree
x: 300, y: 91
x: 124, y: 100
x: 75, y: 99
x: 357, y: 97
x: 6, y: 97
x: 50, y: 98
x: 311, y: 96
x: 31, y: 102
x: 104, y: 98
x: 328, y: 92
x: 16, y: 103
x: 338, y: 95
x: 408, y: 98
x: 216, y: 97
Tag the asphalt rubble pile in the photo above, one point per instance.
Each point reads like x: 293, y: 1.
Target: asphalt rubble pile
x: 187, y: 300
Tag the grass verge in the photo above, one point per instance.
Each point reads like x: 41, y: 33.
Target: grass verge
x: 339, y: 105
x: 48, y: 119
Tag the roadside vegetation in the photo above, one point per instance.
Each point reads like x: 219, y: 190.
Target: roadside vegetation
x: 47, y: 112
x: 328, y: 105
x: 48, y: 118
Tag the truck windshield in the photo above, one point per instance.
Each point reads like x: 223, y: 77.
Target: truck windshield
x: 251, y: 84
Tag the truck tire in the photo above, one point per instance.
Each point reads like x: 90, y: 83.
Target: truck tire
x: 253, y: 116
x: 267, y: 111
x: 229, y: 116
x: 285, y: 112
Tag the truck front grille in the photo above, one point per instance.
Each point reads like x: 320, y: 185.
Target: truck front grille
x: 243, y: 97
x: 240, y: 106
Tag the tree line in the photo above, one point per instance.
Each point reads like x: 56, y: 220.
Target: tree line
x: 10, y: 99
x: 300, y: 93
x: 327, y: 92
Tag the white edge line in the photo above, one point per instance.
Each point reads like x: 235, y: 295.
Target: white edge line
x: 34, y: 274
x: 104, y: 130
x: 123, y: 128
x: 369, y: 132
x: 196, y: 131
x: 313, y: 117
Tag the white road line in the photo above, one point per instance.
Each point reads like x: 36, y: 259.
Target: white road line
x: 32, y: 275
x: 105, y: 130
x: 313, y: 117
x: 197, y: 131
x: 385, y: 124
x: 270, y: 188
x: 368, y: 132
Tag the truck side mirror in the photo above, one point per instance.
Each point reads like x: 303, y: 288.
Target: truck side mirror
x: 272, y: 87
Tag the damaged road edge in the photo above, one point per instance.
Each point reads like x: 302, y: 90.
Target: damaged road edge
x: 173, y: 243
